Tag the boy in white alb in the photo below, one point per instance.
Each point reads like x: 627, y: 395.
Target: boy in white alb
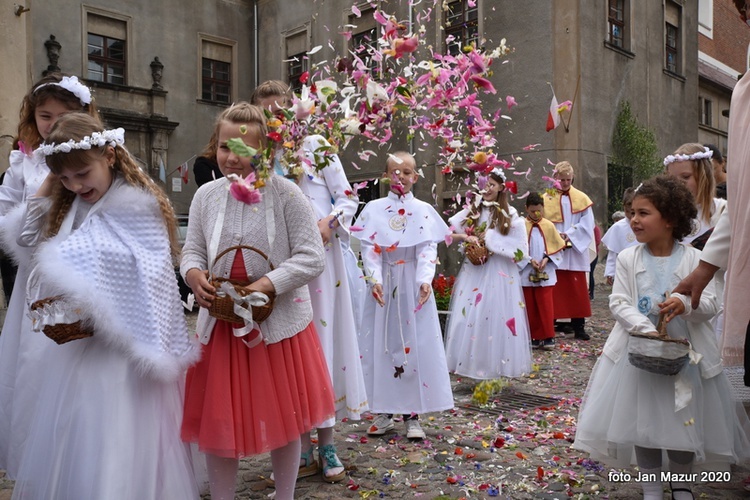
x: 619, y: 236
x: 401, y: 344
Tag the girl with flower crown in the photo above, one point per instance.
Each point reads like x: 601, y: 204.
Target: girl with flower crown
x: 487, y: 336
x: 48, y: 99
x: 107, y: 421
x: 691, y: 164
x: 630, y: 415
x: 256, y: 388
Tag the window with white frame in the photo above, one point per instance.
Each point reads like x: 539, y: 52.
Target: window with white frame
x: 706, y: 17
x: 461, y: 25
x: 106, y: 48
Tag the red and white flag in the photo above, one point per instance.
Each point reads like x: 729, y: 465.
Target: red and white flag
x: 553, y: 116
x: 185, y: 172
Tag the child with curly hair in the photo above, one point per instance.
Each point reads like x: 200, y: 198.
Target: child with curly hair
x: 633, y: 416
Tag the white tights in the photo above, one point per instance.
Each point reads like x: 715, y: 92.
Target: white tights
x: 649, y: 461
x: 222, y: 472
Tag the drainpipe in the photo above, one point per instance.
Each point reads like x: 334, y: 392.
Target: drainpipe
x: 411, y: 27
x: 256, y: 51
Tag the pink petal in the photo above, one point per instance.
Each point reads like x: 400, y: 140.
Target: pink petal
x: 511, y: 323
x: 479, y: 298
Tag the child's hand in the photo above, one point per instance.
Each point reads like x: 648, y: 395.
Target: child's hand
x: 534, y: 265
x: 424, y: 293
x: 262, y: 285
x: 472, y: 239
x: 377, y: 293
x: 672, y: 307
x: 45, y: 190
x: 543, y: 264
x: 325, y: 226
x: 610, y: 280
x: 197, y: 280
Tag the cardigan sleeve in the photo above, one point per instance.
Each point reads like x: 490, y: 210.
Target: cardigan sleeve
x: 307, y: 259
x: 194, y: 251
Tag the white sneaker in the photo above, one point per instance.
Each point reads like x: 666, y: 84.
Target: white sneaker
x: 382, y: 424
x: 414, y: 430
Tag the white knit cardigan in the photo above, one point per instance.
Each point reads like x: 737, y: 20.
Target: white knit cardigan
x: 296, y: 250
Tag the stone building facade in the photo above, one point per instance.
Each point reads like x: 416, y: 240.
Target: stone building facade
x: 596, y: 54
x: 162, y: 70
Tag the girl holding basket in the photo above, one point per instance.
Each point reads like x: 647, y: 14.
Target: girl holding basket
x: 256, y: 388
x: 640, y: 415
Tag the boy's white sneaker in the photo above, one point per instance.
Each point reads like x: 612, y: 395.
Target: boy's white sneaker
x: 382, y: 424
x: 414, y: 430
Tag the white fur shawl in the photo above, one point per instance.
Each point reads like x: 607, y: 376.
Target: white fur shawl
x: 117, y: 268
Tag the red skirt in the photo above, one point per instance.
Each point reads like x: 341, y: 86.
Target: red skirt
x: 571, y: 295
x: 242, y: 401
x: 540, y: 311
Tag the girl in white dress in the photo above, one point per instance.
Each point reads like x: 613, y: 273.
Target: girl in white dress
x: 630, y: 415
x: 691, y: 164
x: 107, y: 424
x: 334, y: 204
x: 488, y: 332
x: 20, y: 371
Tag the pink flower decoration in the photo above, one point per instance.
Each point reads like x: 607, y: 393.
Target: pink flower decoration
x: 244, y: 190
x: 511, y: 324
x: 510, y: 101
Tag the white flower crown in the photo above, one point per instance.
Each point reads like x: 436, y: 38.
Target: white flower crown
x: 72, y: 85
x: 500, y: 172
x: 700, y: 155
x: 96, y: 140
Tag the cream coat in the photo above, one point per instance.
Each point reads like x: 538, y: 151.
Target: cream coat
x: 623, y: 302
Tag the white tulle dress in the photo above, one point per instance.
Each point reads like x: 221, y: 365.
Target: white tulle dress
x: 488, y: 333
x: 625, y: 406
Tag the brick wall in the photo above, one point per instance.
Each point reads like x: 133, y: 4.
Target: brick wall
x: 731, y: 37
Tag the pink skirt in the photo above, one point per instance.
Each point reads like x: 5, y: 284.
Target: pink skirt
x: 242, y: 401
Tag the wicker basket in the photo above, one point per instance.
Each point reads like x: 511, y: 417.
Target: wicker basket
x: 660, y: 354
x: 222, y: 306
x: 62, y: 332
x: 477, y: 253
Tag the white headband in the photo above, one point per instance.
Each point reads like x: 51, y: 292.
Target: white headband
x: 96, y: 140
x: 72, y: 85
x: 706, y: 153
x: 498, y: 171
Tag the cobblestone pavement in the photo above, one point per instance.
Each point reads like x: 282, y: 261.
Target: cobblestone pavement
x: 483, y: 452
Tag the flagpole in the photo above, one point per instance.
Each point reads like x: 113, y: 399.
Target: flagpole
x: 573, y: 103
x: 180, y: 165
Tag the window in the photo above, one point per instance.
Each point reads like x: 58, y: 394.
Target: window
x: 706, y: 17
x: 106, y: 49
x: 672, y: 16
x: 217, y: 70
x: 297, y: 65
x: 296, y: 58
x: 364, y: 41
x: 461, y: 25
x: 617, y: 23
x: 705, y: 110
x: 217, y: 85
